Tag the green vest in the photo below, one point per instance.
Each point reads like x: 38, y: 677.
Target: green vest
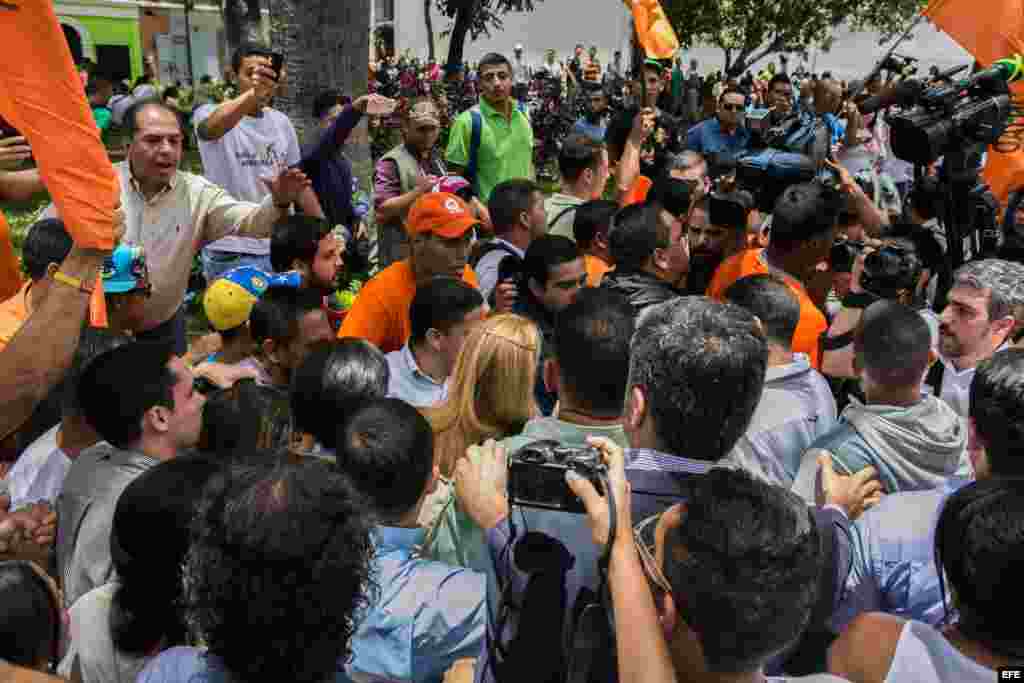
x: 408, y: 174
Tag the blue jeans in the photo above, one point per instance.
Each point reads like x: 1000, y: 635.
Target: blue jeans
x: 216, y: 263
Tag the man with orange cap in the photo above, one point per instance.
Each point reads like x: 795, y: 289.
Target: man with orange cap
x: 440, y: 228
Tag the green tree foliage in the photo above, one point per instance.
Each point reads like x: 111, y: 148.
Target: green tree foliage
x: 475, y: 18
x: 750, y: 30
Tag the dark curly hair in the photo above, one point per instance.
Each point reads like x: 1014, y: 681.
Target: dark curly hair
x: 744, y: 568
x: 159, y: 503
x: 278, y: 570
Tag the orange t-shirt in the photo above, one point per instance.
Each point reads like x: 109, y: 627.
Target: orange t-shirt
x: 13, y: 314
x: 380, y: 313
x: 10, y: 275
x: 596, y: 268
x: 812, y: 321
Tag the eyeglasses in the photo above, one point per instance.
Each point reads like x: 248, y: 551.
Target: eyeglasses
x: 732, y: 107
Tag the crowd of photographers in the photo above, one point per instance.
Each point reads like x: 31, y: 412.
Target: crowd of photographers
x: 723, y: 408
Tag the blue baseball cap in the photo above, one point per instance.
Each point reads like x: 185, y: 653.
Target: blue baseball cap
x: 229, y: 300
x: 125, y: 270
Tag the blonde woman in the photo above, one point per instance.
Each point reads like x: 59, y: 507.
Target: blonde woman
x: 490, y: 397
x: 490, y: 393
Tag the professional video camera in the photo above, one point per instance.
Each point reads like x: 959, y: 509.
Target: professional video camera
x: 957, y: 122
x: 887, y: 271
x: 972, y: 111
x: 536, y: 474
x: 900, y: 64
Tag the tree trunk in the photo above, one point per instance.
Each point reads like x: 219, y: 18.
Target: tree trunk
x: 428, y: 20
x: 458, y: 36
x: 241, y: 23
x: 326, y: 45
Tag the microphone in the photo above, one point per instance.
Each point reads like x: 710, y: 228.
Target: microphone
x: 1006, y: 70
x: 903, y: 93
x: 1009, y: 69
x: 948, y: 73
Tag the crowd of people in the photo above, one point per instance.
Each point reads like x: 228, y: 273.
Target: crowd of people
x: 642, y: 428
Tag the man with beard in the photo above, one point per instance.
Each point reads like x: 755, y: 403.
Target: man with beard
x: 716, y: 230
x: 594, y: 123
x: 309, y: 246
x: 984, y: 308
x: 403, y: 175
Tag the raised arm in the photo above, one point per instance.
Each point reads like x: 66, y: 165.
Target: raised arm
x: 225, y: 117
x: 39, y: 354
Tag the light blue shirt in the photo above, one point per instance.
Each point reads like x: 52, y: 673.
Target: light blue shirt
x: 424, y: 617
x: 795, y: 409
x: 410, y: 384
x: 708, y: 138
x: 894, y: 556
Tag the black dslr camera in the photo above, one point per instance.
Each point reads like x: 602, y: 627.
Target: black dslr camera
x: 536, y: 474
x: 844, y: 252
x: 889, y: 271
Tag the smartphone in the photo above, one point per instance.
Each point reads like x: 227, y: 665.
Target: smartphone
x: 276, y: 62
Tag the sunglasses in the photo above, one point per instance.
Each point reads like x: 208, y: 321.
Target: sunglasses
x: 732, y: 107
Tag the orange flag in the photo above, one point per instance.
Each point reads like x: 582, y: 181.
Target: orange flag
x: 41, y: 94
x: 653, y: 29
x: 989, y: 32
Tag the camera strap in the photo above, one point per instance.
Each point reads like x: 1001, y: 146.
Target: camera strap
x: 838, y: 342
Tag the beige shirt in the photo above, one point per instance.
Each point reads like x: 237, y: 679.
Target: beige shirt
x: 175, y: 224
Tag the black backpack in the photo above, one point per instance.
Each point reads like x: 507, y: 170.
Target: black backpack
x: 509, y: 266
x: 539, y: 651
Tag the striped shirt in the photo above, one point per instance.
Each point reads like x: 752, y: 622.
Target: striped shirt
x: 650, y: 460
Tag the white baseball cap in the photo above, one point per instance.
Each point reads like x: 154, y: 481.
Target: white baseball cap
x: 519, y: 47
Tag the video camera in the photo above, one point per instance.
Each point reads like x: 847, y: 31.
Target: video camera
x: 887, y: 271
x: 974, y: 110
x: 536, y: 474
x: 900, y: 64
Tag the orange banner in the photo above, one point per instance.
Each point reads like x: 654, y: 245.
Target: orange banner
x: 989, y: 32
x: 653, y: 29
x: 41, y: 94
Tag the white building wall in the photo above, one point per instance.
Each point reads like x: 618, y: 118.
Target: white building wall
x: 560, y: 24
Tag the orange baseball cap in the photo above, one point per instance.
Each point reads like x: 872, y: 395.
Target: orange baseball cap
x: 442, y: 214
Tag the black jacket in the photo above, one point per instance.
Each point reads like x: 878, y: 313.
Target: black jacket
x: 642, y: 289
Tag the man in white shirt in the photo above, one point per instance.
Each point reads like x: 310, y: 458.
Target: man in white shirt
x: 172, y: 214
x: 440, y: 316
x: 38, y: 475
x: 243, y: 142
x: 521, y: 74
x: 980, y: 318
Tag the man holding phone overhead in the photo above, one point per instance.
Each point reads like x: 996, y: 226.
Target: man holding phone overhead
x: 244, y: 142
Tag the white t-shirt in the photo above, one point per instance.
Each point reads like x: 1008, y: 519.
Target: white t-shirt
x: 91, y: 643
x: 258, y: 147
x: 38, y: 475
x: 956, y: 386
x: 923, y: 655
